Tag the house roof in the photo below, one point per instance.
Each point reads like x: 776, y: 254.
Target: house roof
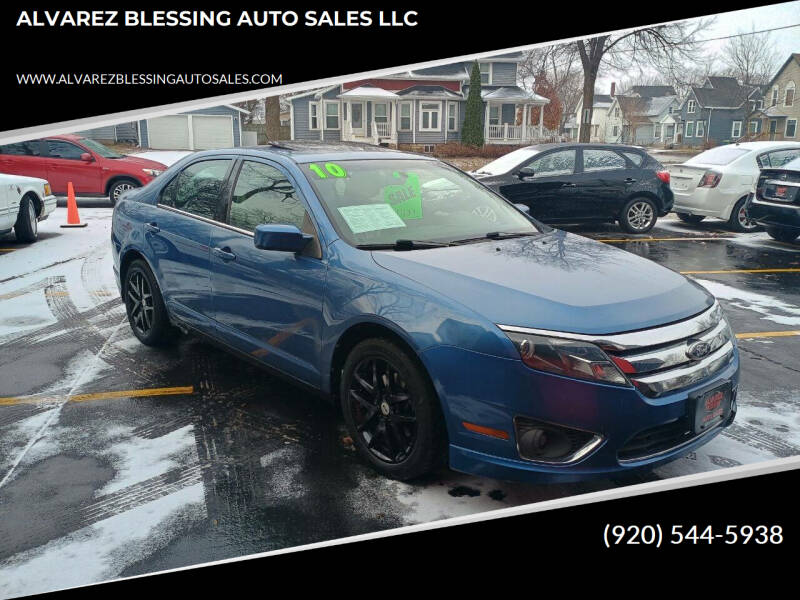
x: 368, y: 91
x: 795, y: 56
x: 429, y: 91
x: 643, y: 106
x: 722, y: 92
x: 602, y: 100
x: 316, y: 92
x: 512, y: 93
x: 650, y: 91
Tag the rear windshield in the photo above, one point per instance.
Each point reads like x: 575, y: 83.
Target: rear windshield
x: 793, y: 165
x: 721, y: 155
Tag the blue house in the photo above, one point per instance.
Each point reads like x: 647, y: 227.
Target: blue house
x: 421, y: 108
x: 716, y: 112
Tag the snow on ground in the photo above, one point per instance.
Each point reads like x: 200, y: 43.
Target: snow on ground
x: 769, y: 307
x: 165, y: 157
x: 103, y: 550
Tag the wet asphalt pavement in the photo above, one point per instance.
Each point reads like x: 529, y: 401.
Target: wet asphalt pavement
x: 117, y: 459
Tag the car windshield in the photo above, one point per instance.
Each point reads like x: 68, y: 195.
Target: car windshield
x: 98, y: 148
x: 378, y: 202
x: 507, y: 162
x: 721, y: 155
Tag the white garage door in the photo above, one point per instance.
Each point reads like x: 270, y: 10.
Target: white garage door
x: 169, y: 133
x: 212, y: 132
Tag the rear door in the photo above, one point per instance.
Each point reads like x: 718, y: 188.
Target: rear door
x: 64, y: 165
x: 190, y: 207
x: 269, y: 303
x: 603, y: 183
x: 548, y: 192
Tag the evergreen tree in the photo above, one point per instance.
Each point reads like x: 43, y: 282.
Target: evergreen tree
x: 472, y: 133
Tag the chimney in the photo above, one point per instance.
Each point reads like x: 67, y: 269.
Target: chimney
x: 613, y: 88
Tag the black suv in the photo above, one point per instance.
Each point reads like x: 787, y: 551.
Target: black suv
x: 572, y: 183
x: 776, y: 203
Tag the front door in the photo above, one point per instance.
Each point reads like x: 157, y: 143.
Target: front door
x: 550, y: 191
x: 64, y: 165
x: 357, y: 120
x: 382, y: 118
x: 268, y: 304
x: 773, y: 128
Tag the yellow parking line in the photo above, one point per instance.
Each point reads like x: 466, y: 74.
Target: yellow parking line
x: 669, y: 239
x: 721, y: 271
x: 7, y: 249
x: 764, y: 334
x: 37, y: 399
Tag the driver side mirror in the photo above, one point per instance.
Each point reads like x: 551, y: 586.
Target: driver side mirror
x: 281, y: 238
x: 523, y: 208
x: 86, y: 157
x: 525, y: 173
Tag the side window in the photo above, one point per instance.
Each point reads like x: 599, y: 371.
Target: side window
x: 263, y: 194
x: 21, y: 148
x: 62, y: 149
x: 635, y: 158
x: 779, y: 157
x: 198, y: 188
x: 561, y: 162
x: 602, y: 160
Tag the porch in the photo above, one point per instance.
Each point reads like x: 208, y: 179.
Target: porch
x: 512, y: 116
x: 368, y: 115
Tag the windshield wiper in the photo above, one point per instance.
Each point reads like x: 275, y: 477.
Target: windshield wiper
x: 496, y: 235
x: 403, y: 245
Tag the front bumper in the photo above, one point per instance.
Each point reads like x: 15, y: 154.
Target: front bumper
x: 493, y: 391
x: 49, y: 205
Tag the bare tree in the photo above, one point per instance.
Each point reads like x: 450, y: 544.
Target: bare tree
x: 665, y: 48
x: 251, y: 106
x: 750, y: 57
x: 272, y: 118
x: 557, y: 68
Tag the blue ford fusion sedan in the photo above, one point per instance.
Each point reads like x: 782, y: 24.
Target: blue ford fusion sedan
x: 447, y: 324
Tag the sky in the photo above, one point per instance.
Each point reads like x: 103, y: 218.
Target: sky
x: 786, y: 41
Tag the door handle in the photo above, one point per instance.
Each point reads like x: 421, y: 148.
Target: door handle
x: 152, y: 227
x: 629, y: 180
x: 567, y: 185
x: 224, y: 253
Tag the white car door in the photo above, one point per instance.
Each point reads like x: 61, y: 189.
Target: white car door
x: 8, y: 206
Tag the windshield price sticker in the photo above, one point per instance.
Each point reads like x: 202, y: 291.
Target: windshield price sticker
x: 361, y: 218
x: 405, y: 198
x: 331, y: 169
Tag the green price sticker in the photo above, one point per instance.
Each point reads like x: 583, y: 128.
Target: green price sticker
x: 405, y: 198
x: 332, y: 169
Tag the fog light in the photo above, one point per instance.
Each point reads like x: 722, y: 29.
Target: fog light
x: 548, y: 443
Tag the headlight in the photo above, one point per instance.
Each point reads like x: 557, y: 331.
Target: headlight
x: 570, y: 358
x: 153, y: 172
x: 47, y: 190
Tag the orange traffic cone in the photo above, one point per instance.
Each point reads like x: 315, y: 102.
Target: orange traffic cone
x: 73, y: 220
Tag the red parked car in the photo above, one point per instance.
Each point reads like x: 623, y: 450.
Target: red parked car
x: 93, y: 169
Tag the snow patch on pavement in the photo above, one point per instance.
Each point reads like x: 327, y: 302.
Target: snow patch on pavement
x: 768, y: 306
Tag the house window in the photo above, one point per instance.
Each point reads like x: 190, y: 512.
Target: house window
x: 775, y: 92
x: 736, y: 130
x: 486, y: 73
x: 690, y: 106
x: 405, y: 116
x: 760, y: 104
x: 452, y: 116
x: 616, y: 112
x: 494, y: 115
x: 689, y: 129
x: 657, y: 130
x: 615, y: 131
x: 313, y: 115
x: 788, y: 95
x: 752, y: 126
x: 701, y: 129
x: 430, y: 116
x: 428, y: 148
x: 331, y: 115
x: 791, y: 128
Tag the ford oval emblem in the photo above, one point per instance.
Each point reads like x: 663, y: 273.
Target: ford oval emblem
x: 698, y: 350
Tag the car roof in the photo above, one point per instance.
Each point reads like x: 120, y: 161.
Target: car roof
x: 64, y: 136
x: 543, y: 147
x: 307, y: 152
x: 765, y: 145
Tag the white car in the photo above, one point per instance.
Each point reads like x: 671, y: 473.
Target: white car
x: 24, y: 201
x: 717, y: 182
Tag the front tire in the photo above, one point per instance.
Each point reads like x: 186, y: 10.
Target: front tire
x: 690, y: 219
x: 782, y: 235
x: 638, y: 216
x: 391, y: 410
x: 26, y: 229
x: 120, y: 186
x: 144, y: 305
x: 739, y: 220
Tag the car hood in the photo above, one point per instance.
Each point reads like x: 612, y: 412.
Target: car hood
x: 555, y: 281
x: 143, y: 163
x: 21, y: 179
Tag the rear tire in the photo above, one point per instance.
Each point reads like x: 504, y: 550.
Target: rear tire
x: 639, y: 215
x: 739, y: 221
x: 391, y: 410
x: 26, y: 229
x: 144, y: 305
x: 782, y: 235
x: 690, y: 219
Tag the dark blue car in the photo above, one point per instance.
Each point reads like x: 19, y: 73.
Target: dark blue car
x: 448, y: 325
